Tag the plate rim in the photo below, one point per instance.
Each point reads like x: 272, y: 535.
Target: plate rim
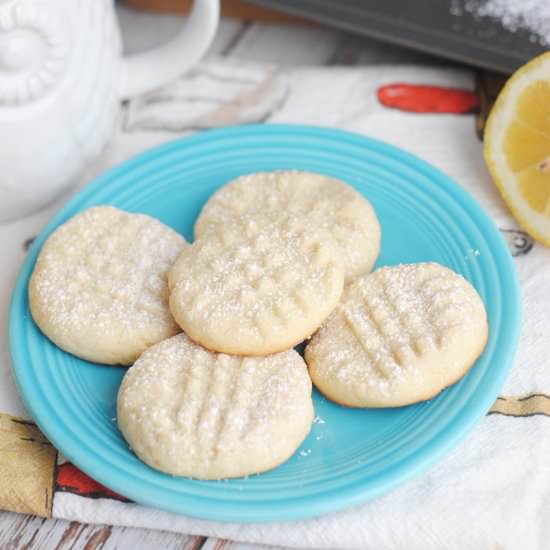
x: 341, y: 497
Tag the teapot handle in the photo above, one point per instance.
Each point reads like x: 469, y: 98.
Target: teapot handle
x: 146, y: 71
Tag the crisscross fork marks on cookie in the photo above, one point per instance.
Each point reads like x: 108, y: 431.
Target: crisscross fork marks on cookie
x: 301, y: 302
x: 257, y: 406
x: 209, y: 407
x: 409, y: 338
x: 362, y: 337
x: 189, y: 408
x: 398, y: 319
x: 238, y: 415
x: 280, y: 314
x: 188, y: 411
x: 262, y: 295
x: 235, y: 373
x: 98, y: 289
x: 318, y: 202
x: 397, y: 355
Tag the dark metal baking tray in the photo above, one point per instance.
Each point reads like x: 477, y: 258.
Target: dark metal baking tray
x: 441, y: 27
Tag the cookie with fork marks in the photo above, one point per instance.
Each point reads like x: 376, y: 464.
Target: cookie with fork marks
x: 260, y: 285
x: 400, y: 335
x: 190, y: 412
x: 330, y: 204
x: 99, y: 286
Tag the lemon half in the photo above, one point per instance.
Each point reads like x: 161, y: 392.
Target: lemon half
x: 517, y: 146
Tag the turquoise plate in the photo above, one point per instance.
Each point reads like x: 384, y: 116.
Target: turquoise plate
x: 350, y: 456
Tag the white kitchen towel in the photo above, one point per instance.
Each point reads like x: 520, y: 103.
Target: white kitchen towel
x: 493, y: 490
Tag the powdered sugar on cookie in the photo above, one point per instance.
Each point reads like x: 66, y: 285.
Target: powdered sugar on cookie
x: 329, y: 204
x: 187, y: 411
x: 258, y: 286
x: 400, y: 335
x: 99, y: 286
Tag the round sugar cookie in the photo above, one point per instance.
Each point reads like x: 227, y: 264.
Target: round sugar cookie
x: 329, y: 203
x: 400, y: 335
x: 99, y: 286
x: 187, y: 411
x: 259, y: 286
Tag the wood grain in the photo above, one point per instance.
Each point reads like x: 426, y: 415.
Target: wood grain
x: 25, y: 532
x: 219, y: 544
x: 229, y: 8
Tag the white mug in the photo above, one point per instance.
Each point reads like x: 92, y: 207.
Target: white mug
x: 62, y: 78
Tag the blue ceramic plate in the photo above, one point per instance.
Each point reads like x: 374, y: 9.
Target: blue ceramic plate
x: 351, y: 455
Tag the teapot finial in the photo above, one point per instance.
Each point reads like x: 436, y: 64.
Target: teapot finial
x: 33, y: 52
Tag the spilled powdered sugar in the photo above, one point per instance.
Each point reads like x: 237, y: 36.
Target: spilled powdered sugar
x: 514, y: 15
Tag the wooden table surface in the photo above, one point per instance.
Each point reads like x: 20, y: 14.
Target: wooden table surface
x: 282, y: 44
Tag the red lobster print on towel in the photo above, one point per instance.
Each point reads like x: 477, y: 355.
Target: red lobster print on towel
x: 418, y: 98
x: 70, y: 479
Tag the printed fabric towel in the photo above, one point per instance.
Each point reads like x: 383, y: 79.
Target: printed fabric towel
x: 493, y: 490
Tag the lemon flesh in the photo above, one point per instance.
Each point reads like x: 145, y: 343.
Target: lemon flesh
x: 517, y: 146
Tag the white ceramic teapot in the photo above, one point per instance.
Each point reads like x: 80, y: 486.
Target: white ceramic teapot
x: 62, y: 78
